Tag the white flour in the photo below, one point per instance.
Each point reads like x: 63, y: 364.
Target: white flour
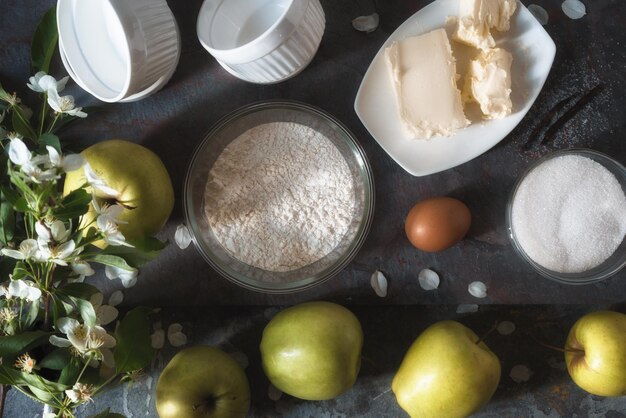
x: 280, y: 196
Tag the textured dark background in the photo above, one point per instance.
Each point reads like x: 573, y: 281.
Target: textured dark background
x: 173, y: 122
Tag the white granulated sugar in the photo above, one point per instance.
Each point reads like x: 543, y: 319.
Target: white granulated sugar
x: 280, y: 196
x: 569, y: 214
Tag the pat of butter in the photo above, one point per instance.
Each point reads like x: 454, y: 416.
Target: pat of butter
x: 477, y: 17
x: 488, y: 83
x: 423, y: 72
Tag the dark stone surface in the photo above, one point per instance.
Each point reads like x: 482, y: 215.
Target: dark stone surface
x: 389, y: 331
x: 174, y: 121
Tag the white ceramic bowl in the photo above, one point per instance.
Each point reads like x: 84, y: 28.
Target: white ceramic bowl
x: 118, y: 50
x: 261, y: 41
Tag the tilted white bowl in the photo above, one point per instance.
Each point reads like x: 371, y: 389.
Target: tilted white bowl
x: 118, y: 50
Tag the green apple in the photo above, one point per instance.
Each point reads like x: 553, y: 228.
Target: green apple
x: 595, y: 353
x: 202, y: 382
x: 313, y: 350
x: 446, y: 373
x: 145, y: 188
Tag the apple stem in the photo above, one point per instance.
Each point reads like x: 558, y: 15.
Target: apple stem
x: 553, y: 347
x: 486, y: 334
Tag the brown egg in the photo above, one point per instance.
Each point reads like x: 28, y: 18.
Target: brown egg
x: 437, y: 223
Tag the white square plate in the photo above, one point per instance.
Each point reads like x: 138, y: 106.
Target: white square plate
x: 533, y: 53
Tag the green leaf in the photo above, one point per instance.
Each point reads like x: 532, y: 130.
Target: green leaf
x: 73, y: 205
x: 133, y: 350
x: 60, y: 308
x: 20, y: 124
x: 9, y: 376
x: 16, y: 199
x: 50, y: 139
x: 85, y: 309
x: 20, y: 271
x: 107, y: 414
x: 31, y: 316
x: 79, y: 290
x: 7, y: 221
x: 44, y: 41
x: 22, y: 185
x: 145, y: 250
x: 56, y: 360
x: 111, y: 260
x: 70, y: 372
x: 16, y: 344
x: 4, y: 96
x: 42, y: 395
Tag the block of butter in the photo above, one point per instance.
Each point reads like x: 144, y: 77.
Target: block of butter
x: 477, y: 17
x: 423, y: 73
x: 488, y: 83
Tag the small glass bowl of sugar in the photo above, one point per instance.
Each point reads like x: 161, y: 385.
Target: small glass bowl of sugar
x: 566, y: 216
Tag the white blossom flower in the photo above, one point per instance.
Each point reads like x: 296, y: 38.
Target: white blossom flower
x: 22, y: 289
x: 25, y: 363
x: 28, y: 249
x: 108, y: 221
x: 110, y: 212
x: 93, y: 342
x: 42, y: 82
x: 128, y: 277
x: 110, y: 232
x: 80, y: 392
x: 64, y: 104
x: 52, y: 231
x: 52, y: 239
x: 18, y: 151
x: 98, y: 184
x: 37, y: 168
x: 7, y: 315
x: 66, y: 163
x: 105, y: 314
x: 37, y: 174
x: 57, y: 254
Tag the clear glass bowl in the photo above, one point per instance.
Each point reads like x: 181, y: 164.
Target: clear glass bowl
x: 610, y: 266
x: 228, y: 129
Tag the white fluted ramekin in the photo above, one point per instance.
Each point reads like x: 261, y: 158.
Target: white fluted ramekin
x: 118, y: 50
x: 261, y: 41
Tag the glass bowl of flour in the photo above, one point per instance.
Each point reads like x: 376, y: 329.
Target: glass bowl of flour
x: 567, y: 216
x: 279, y: 197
